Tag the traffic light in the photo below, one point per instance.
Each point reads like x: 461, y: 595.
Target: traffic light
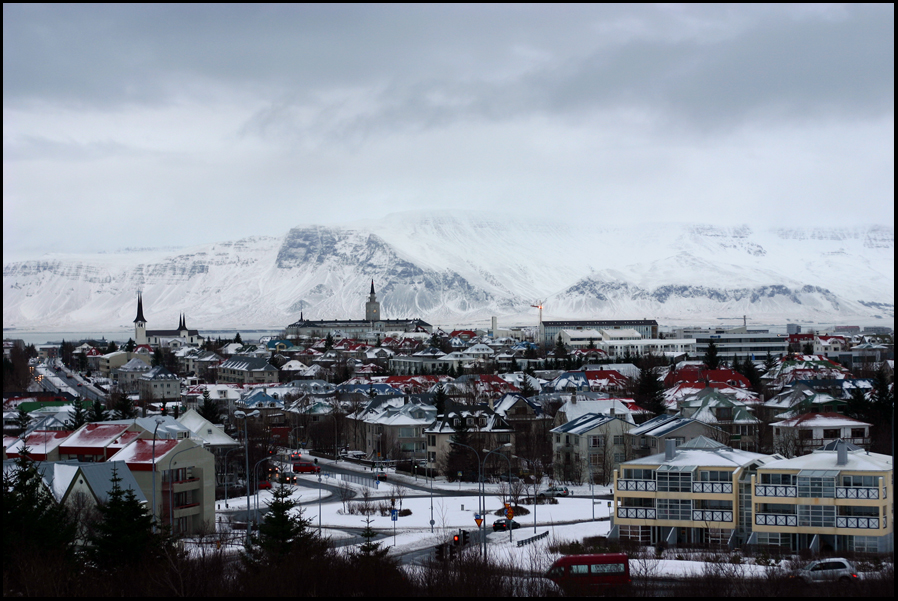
x: 465, y: 537
x: 441, y: 552
x: 452, y: 552
x: 456, y: 540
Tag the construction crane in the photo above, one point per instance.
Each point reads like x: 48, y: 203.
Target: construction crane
x: 539, y: 305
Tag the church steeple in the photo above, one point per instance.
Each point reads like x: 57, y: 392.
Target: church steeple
x: 140, y: 316
x: 372, y: 307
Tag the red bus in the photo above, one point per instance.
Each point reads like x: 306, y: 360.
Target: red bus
x: 579, y: 574
x: 305, y: 467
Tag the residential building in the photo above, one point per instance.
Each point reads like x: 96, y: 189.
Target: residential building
x: 184, y: 481
x: 697, y: 493
x: 589, y: 447
x: 159, y: 385
x: 653, y: 434
x: 835, y: 499
x: 241, y: 369
x: 800, y: 434
x: 483, y: 424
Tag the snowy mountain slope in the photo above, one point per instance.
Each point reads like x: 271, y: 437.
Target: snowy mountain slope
x: 464, y: 267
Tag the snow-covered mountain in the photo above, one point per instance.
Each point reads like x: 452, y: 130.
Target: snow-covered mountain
x: 453, y: 268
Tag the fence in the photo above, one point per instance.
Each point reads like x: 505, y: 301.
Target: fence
x: 363, y: 480
x: 533, y: 539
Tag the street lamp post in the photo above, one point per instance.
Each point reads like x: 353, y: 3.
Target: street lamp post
x: 159, y: 421
x: 226, y: 473
x: 256, y: 478
x: 488, y: 453
x: 245, y: 416
x: 509, y: 481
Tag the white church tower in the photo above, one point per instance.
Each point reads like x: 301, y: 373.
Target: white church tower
x: 372, y: 307
x: 140, y: 323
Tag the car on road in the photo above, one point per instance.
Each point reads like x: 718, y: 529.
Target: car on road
x: 264, y: 485
x: 833, y: 569
x: 508, y: 478
x: 306, y: 467
x: 353, y: 454
x: 554, y: 491
x: 502, y: 525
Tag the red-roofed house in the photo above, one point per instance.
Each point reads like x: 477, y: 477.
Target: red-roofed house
x: 42, y: 445
x: 99, y: 441
x: 695, y: 373
x: 185, y: 480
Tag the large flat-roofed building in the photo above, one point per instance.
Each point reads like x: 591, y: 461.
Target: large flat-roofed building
x: 737, y: 342
x: 549, y: 330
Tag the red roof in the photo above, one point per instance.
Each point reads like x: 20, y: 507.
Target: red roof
x: 139, y: 454
x: 694, y: 373
x: 39, y: 443
x: 93, y: 439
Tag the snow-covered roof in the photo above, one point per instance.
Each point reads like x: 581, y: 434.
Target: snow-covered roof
x: 858, y: 460
x: 703, y: 452
x: 585, y: 423
x: 205, y: 430
x: 820, y: 420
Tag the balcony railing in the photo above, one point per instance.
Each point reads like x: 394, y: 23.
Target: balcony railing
x: 776, y: 490
x: 720, y: 488
x: 851, y: 522
x: 636, y: 513
x: 850, y: 492
x: 776, y: 519
x: 712, y: 515
x: 637, y: 485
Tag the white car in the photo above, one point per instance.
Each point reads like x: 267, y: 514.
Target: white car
x: 827, y: 570
x: 554, y: 491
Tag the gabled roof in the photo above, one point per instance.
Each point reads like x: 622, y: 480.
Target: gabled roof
x: 820, y: 420
x: 142, y: 454
x: 585, y: 423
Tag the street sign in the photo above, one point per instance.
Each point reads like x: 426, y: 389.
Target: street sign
x: 509, y: 513
x: 394, y: 515
x: 477, y: 519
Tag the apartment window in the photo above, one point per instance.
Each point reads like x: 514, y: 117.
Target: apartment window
x: 832, y: 433
x: 716, y: 476
x: 619, y: 439
x: 674, y: 479
x: 595, y: 459
x: 674, y: 509
x: 817, y: 485
x: 817, y: 516
x: 596, y: 442
x: 783, y: 479
x: 859, y: 481
x: 638, y: 474
x: 619, y: 457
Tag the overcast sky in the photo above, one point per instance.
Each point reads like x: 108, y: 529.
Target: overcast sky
x: 144, y: 126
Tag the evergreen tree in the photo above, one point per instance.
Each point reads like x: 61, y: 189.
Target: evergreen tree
x: 209, y: 408
x: 527, y: 389
x: 130, y: 345
x: 460, y: 458
x: 125, y: 408
x: 807, y: 349
x: 649, y: 391
x: 560, y: 350
x: 769, y: 362
x: 158, y: 359
x: 78, y: 417
x: 111, y: 347
x: 97, y: 412
x: 712, y: 361
x: 439, y: 398
x: 328, y: 342
x: 38, y: 533
x: 283, y: 530
x: 238, y: 339
x: 124, y: 536
x: 747, y: 368
x: 23, y: 420
x: 370, y: 549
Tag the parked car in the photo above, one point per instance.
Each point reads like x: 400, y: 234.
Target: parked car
x: 264, y: 485
x: 554, y: 491
x: 353, y: 454
x: 503, y: 525
x: 508, y: 478
x: 827, y: 570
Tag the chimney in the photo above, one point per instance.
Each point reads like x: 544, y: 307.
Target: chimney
x: 574, y: 398
x: 841, y: 452
x: 670, y: 449
x: 611, y: 411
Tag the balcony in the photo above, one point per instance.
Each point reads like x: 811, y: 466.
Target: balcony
x: 718, y: 488
x: 776, y: 490
x: 637, y: 485
x: 712, y: 515
x: 636, y: 513
x: 853, y: 522
x: 775, y: 519
x: 851, y: 492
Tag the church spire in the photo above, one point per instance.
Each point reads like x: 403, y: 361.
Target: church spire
x: 372, y: 286
x: 140, y: 316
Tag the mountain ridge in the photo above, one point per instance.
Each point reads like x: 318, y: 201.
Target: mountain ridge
x: 465, y: 267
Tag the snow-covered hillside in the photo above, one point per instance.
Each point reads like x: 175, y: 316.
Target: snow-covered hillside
x: 464, y: 267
